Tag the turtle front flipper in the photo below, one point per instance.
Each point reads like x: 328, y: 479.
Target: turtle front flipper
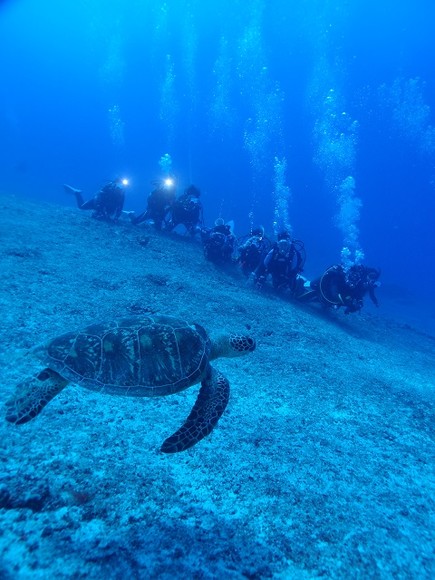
x: 209, y: 406
x: 32, y: 395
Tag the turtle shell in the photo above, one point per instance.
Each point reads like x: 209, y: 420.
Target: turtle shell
x: 138, y: 356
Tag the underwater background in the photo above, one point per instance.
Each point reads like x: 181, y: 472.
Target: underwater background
x: 317, y: 115
x: 311, y: 115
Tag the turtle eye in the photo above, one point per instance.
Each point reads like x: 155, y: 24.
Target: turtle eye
x: 43, y: 375
x: 251, y: 343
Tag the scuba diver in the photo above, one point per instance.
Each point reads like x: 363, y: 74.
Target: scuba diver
x: 252, y: 250
x: 339, y: 287
x: 284, y: 262
x: 159, y: 202
x: 107, y: 204
x: 218, y: 242
x: 187, y: 210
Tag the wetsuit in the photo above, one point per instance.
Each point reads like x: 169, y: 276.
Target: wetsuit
x: 107, y: 204
x: 187, y: 210
x: 336, y: 287
x: 219, y: 243
x: 160, y: 200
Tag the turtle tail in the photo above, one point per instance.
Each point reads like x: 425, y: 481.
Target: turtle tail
x: 32, y: 395
x: 209, y: 406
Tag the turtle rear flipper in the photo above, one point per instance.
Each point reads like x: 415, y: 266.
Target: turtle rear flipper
x: 209, y: 406
x: 33, y: 395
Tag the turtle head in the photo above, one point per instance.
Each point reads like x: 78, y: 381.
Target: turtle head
x: 232, y: 345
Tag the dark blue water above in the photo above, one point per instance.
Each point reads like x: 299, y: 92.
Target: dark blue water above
x: 316, y: 116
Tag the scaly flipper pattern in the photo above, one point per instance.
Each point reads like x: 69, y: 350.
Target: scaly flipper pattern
x: 211, y: 402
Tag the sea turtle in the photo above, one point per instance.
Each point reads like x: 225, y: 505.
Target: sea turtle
x: 138, y: 356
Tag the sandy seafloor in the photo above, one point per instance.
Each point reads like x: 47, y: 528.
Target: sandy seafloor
x: 322, y: 466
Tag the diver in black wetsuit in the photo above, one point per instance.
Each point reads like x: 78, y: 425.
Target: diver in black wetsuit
x: 187, y: 210
x: 218, y: 242
x: 159, y: 202
x: 107, y: 204
x: 339, y: 287
x: 284, y: 262
x: 252, y: 248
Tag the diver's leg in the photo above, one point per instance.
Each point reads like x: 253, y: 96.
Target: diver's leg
x: 77, y: 194
x: 140, y: 218
x: 159, y: 218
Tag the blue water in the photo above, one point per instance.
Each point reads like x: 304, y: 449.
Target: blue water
x: 331, y: 89
x: 313, y: 115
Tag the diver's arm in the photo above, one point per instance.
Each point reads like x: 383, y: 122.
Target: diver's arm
x: 268, y: 259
